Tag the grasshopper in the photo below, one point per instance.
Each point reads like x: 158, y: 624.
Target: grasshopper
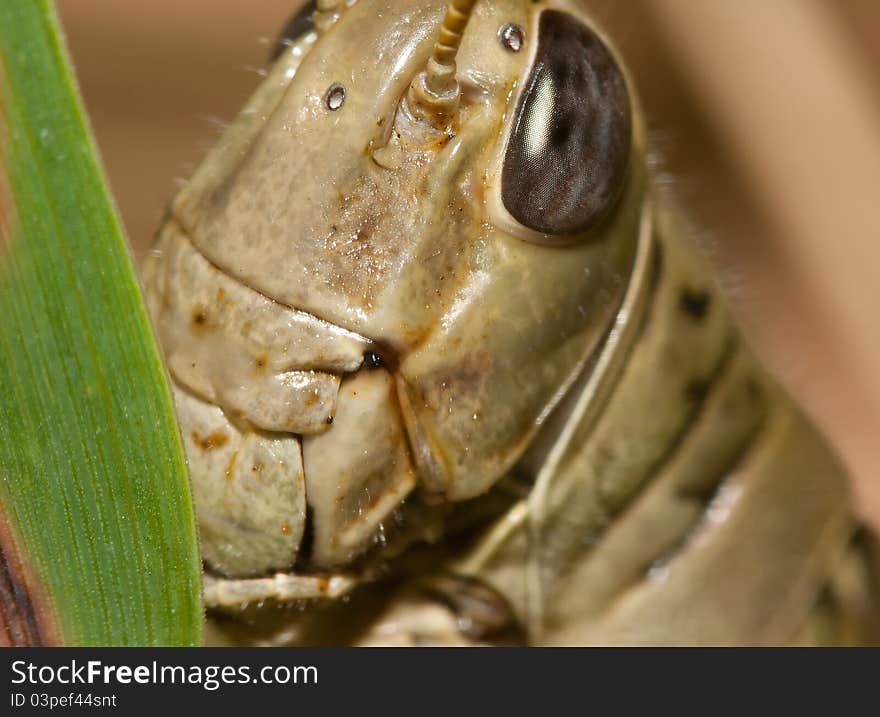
x: 449, y: 370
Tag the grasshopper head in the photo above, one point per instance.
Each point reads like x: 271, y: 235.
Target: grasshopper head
x: 476, y: 228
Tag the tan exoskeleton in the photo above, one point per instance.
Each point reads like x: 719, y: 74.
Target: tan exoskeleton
x: 448, y: 369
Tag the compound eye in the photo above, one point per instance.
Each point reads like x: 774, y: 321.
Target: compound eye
x: 566, y: 160
x: 294, y: 29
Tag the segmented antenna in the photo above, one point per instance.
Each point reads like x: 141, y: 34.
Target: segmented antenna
x: 434, y: 94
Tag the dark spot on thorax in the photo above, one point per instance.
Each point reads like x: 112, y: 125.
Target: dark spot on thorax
x: 695, y: 390
x: 694, y: 303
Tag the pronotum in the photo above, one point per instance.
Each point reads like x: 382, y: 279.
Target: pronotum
x: 449, y: 371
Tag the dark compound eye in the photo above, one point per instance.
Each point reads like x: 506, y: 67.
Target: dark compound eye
x: 566, y: 160
x: 295, y: 27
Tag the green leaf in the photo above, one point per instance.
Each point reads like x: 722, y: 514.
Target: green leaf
x: 92, y: 478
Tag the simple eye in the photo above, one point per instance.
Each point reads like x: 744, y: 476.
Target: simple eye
x: 566, y: 161
x: 295, y: 27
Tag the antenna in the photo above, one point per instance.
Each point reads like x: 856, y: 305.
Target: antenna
x: 434, y: 94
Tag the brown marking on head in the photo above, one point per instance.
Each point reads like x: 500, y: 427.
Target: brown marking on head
x: 199, y: 317
x: 25, y: 616
x: 217, y: 439
x: 260, y: 363
x: 230, y: 465
x: 285, y: 528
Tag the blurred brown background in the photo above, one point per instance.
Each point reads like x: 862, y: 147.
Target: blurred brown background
x: 766, y: 116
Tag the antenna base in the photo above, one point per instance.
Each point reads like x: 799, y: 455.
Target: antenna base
x: 428, y: 105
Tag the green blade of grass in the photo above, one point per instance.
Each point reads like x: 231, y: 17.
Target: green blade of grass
x: 92, y: 478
